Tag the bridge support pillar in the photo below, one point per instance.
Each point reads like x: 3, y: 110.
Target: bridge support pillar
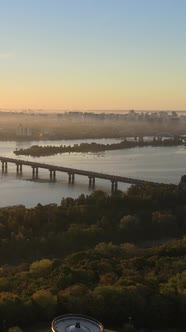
x: 114, y: 186
x: 3, y: 166
x: 19, y: 169
x: 35, y: 172
x: 71, y: 177
x: 6, y: 166
x: 52, y: 174
x: 91, y: 182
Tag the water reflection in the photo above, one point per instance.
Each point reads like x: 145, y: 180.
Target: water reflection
x: 150, y: 163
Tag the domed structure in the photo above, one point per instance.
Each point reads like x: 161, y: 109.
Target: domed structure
x: 76, y: 323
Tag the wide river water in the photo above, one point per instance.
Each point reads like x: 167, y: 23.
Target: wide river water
x: 160, y: 164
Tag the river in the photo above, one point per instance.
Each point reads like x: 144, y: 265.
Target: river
x: 160, y: 164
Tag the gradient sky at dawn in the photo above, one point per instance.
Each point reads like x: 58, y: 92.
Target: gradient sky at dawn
x: 93, y: 54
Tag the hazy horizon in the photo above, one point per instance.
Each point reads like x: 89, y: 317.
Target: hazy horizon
x: 88, y: 111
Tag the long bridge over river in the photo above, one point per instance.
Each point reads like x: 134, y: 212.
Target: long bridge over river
x: 71, y: 172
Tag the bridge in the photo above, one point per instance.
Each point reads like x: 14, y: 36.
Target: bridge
x: 71, y: 173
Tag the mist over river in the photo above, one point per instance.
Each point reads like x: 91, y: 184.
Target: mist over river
x: 160, y: 164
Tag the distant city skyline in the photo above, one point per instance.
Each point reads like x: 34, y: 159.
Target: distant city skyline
x: 93, y: 55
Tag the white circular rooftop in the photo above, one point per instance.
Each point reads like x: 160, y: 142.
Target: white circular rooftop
x: 76, y: 323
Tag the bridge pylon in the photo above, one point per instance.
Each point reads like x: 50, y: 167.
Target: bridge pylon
x: 4, y: 167
x: 71, y: 178
x: 19, y: 168
x: 114, y: 186
x: 92, y: 182
x: 52, y: 174
x: 35, y: 173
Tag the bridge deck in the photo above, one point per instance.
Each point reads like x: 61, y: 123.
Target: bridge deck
x: 76, y: 171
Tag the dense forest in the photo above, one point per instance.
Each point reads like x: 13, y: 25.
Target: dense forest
x: 48, y: 150
x: 110, y: 257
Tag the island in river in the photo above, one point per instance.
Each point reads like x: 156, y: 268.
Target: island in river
x: 48, y: 150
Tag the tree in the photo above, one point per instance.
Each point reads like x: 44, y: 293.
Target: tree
x: 40, y: 268
x: 45, y: 303
x: 15, y: 329
x: 77, y: 298
x: 11, y: 307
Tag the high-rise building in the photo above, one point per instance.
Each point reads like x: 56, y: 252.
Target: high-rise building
x: 22, y: 131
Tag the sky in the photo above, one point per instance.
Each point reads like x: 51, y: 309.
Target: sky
x: 93, y: 54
